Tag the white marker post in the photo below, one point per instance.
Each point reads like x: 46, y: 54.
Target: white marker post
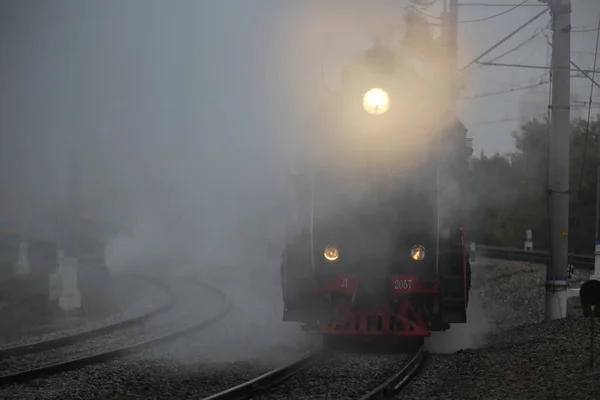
x: 473, y: 253
x: 70, y: 298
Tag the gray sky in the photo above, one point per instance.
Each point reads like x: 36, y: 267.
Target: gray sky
x: 188, y: 108
x: 485, y: 116
x: 477, y: 37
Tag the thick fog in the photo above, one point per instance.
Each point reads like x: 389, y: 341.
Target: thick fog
x: 183, y: 113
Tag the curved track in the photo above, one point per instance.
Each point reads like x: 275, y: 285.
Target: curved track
x: 62, y: 366
x: 391, y: 387
x: 51, y: 344
x: 386, y: 390
x: 266, y: 381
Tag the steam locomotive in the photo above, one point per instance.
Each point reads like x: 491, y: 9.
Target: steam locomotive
x: 375, y: 238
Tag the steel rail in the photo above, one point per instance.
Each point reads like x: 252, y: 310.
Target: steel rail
x: 27, y: 375
x: 270, y: 379
x: 392, y: 386
x: 69, y: 340
x: 578, y: 261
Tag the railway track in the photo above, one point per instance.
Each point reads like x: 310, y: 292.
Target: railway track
x: 578, y: 261
x: 82, y: 351
x: 46, y: 345
x: 265, y: 383
x: 393, y: 385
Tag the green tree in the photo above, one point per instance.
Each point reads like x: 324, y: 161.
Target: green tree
x: 509, y: 193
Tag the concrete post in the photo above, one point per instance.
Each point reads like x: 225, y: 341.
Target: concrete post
x: 558, y: 160
x: 473, y: 253
x: 70, y: 298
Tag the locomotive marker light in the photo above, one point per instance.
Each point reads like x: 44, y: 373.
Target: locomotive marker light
x: 589, y: 294
x: 376, y: 101
x: 417, y: 252
x: 331, y: 253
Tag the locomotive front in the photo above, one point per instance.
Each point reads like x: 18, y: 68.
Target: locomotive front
x: 372, y: 251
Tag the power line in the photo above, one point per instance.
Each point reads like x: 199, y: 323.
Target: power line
x: 516, y: 88
x: 499, y: 5
x: 536, y: 34
x: 585, y: 30
x: 587, y: 125
x: 586, y: 26
x: 425, y: 4
x: 509, y: 119
x: 517, y: 47
x: 583, y: 71
x: 511, y: 90
x: 495, y: 121
x: 473, y: 20
x: 489, y: 50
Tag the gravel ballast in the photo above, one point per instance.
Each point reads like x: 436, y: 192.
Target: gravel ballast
x: 195, y: 304
x: 522, y: 357
x: 342, y: 376
x: 249, y: 341
x: 134, y: 296
x: 511, y: 353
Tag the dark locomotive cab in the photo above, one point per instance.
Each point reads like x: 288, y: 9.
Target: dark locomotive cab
x: 377, y: 214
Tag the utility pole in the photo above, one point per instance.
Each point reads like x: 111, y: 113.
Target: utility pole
x: 558, y: 160
x: 596, y: 274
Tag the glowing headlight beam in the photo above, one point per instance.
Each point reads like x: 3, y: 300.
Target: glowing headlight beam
x: 417, y: 252
x: 331, y: 253
x: 376, y: 101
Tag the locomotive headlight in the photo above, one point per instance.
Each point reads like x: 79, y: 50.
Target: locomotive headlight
x: 376, y: 101
x: 417, y: 252
x: 331, y: 253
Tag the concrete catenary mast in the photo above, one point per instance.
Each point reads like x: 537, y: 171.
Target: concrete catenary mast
x: 558, y: 160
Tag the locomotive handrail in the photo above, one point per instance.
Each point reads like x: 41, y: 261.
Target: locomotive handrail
x: 579, y: 261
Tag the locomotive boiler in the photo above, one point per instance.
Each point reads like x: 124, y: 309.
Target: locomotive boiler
x: 375, y: 240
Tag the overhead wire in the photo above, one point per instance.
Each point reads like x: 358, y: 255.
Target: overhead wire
x: 519, y: 46
x: 499, y: 5
x: 511, y: 119
x: 492, y: 48
x: 494, y: 121
x: 514, y: 7
x: 586, y: 28
x: 587, y: 125
x: 542, y: 82
x: 536, y: 34
x: 510, y: 90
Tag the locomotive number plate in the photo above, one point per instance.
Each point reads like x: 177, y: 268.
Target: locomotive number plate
x: 403, y: 284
